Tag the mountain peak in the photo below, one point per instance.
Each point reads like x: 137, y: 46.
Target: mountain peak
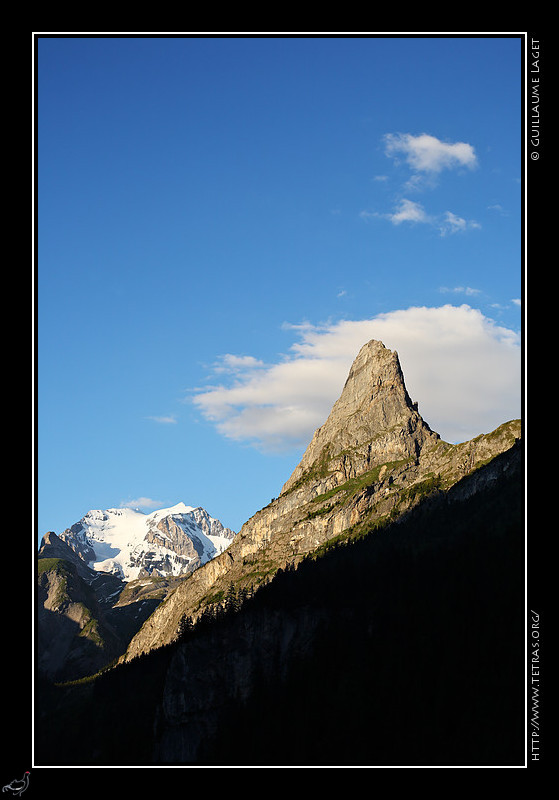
x: 130, y: 544
x: 373, y: 421
x: 178, y: 508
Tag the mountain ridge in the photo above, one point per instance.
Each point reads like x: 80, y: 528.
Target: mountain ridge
x: 372, y: 460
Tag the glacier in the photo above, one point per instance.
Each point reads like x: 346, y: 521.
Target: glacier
x: 131, y: 544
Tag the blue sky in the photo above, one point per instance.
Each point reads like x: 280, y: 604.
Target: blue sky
x: 223, y: 222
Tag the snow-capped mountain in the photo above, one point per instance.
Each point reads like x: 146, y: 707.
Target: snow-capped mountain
x: 131, y: 544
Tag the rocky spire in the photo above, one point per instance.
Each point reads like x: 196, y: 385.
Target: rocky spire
x: 372, y: 422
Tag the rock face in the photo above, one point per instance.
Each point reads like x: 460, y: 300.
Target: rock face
x: 103, y: 584
x: 74, y: 639
x: 372, y: 460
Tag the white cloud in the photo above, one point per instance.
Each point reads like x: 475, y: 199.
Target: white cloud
x: 408, y: 211
x: 427, y: 157
x: 427, y: 154
x: 141, y: 502
x: 165, y: 420
x: 460, y: 290
x: 413, y: 212
x: 461, y: 367
x: 232, y: 364
x: 451, y: 223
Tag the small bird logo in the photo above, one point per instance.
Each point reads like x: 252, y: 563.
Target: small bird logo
x: 17, y: 787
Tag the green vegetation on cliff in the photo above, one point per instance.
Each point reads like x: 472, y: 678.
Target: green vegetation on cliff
x: 58, y: 565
